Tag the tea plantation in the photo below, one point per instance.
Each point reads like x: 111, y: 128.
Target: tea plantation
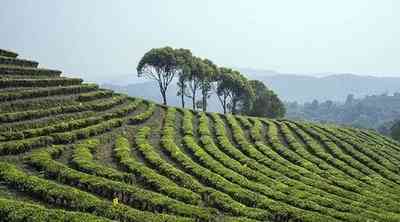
x: 71, y: 151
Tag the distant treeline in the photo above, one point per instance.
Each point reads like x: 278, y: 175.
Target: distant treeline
x: 377, y: 112
x: 199, y: 78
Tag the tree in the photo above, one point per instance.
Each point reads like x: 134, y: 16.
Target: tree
x: 161, y: 65
x: 182, y: 88
x: 231, y: 89
x: 193, y: 79
x: 265, y: 103
x: 184, y: 57
x: 242, y: 91
x: 268, y: 105
x: 223, y: 81
x: 206, y: 80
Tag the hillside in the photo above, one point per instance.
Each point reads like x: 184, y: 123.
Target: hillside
x: 72, y: 151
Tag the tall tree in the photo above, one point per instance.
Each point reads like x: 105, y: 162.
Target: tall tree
x: 182, y: 88
x: 161, y: 65
x: 184, y: 57
x: 232, y: 88
x: 223, y: 80
x: 265, y: 102
x: 242, y: 92
x: 193, y: 80
x: 206, y: 80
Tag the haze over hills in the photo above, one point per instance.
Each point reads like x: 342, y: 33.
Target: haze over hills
x: 289, y: 87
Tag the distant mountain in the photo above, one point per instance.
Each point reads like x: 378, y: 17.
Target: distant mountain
x: 289, y: 87
x: 304, y: 88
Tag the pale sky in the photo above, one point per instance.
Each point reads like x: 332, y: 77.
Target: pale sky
x: 101, y: 38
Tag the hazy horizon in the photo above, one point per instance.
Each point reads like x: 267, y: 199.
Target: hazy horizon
x: 99, y: 39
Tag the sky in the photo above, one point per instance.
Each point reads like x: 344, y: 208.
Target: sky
x: 101, y: 39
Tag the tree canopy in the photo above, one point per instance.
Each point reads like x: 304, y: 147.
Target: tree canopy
x: 265, y: 102
x: 235, y: 92
x: 161, y: 65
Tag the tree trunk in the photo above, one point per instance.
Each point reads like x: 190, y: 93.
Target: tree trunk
x: 234, y: 106
x: 183, y: 100
x: 204, y: 101
x: 194, y: 100
x: 164, y: 97
x: 224, y: 105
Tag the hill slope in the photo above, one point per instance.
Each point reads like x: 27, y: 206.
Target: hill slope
x: 71, y: 151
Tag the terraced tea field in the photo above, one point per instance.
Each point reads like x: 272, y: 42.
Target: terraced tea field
x: 70, y: 151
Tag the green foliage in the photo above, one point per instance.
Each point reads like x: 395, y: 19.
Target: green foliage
x: 161, y: 65
x: 140, y: 118
x: 17, y: 211
x: 147, y: 175
x: 265, y: 103
x: 8, y: 83
x: 43, y: 92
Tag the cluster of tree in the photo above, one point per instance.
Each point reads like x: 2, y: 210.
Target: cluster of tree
x: 199, y: 78
x: 375, y: 111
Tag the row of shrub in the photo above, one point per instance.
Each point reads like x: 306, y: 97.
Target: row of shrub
x: 376, y: 143
x: 71, y: 131
x: 90, y: 106
x: 308, y: 171
x: 344, y: 190
x: 365, y: 188
x: 147, y: 176
x: 20, y: 146
x: 142, y: 117
x: 18, y: 211
x: 85, y: 97
x: 40, y: 123
x: 364, y: 154
x: 6, y: 61
x: 44, y: 103
x: 112, y: 119
x: 7, y: 53
x: 209, y: 195
x: 354, y: 168
x: 290, y: 181
x: 129, y: 194
x: 23, y: 105
x: 256, y: 181
x: 9, y: 76
x: 315, y: 165
x: 214, y: 197
x: 253, y: 172
x: 82, y: 159
x: 8, y: 83
x: 25, y: 71
x: 205, y: 174
x: 72, y: 198
x: 363, y: 162
x: 73, y: 124
x: 44, y: 92
x: 84, y: 133
x: 59, y: 127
